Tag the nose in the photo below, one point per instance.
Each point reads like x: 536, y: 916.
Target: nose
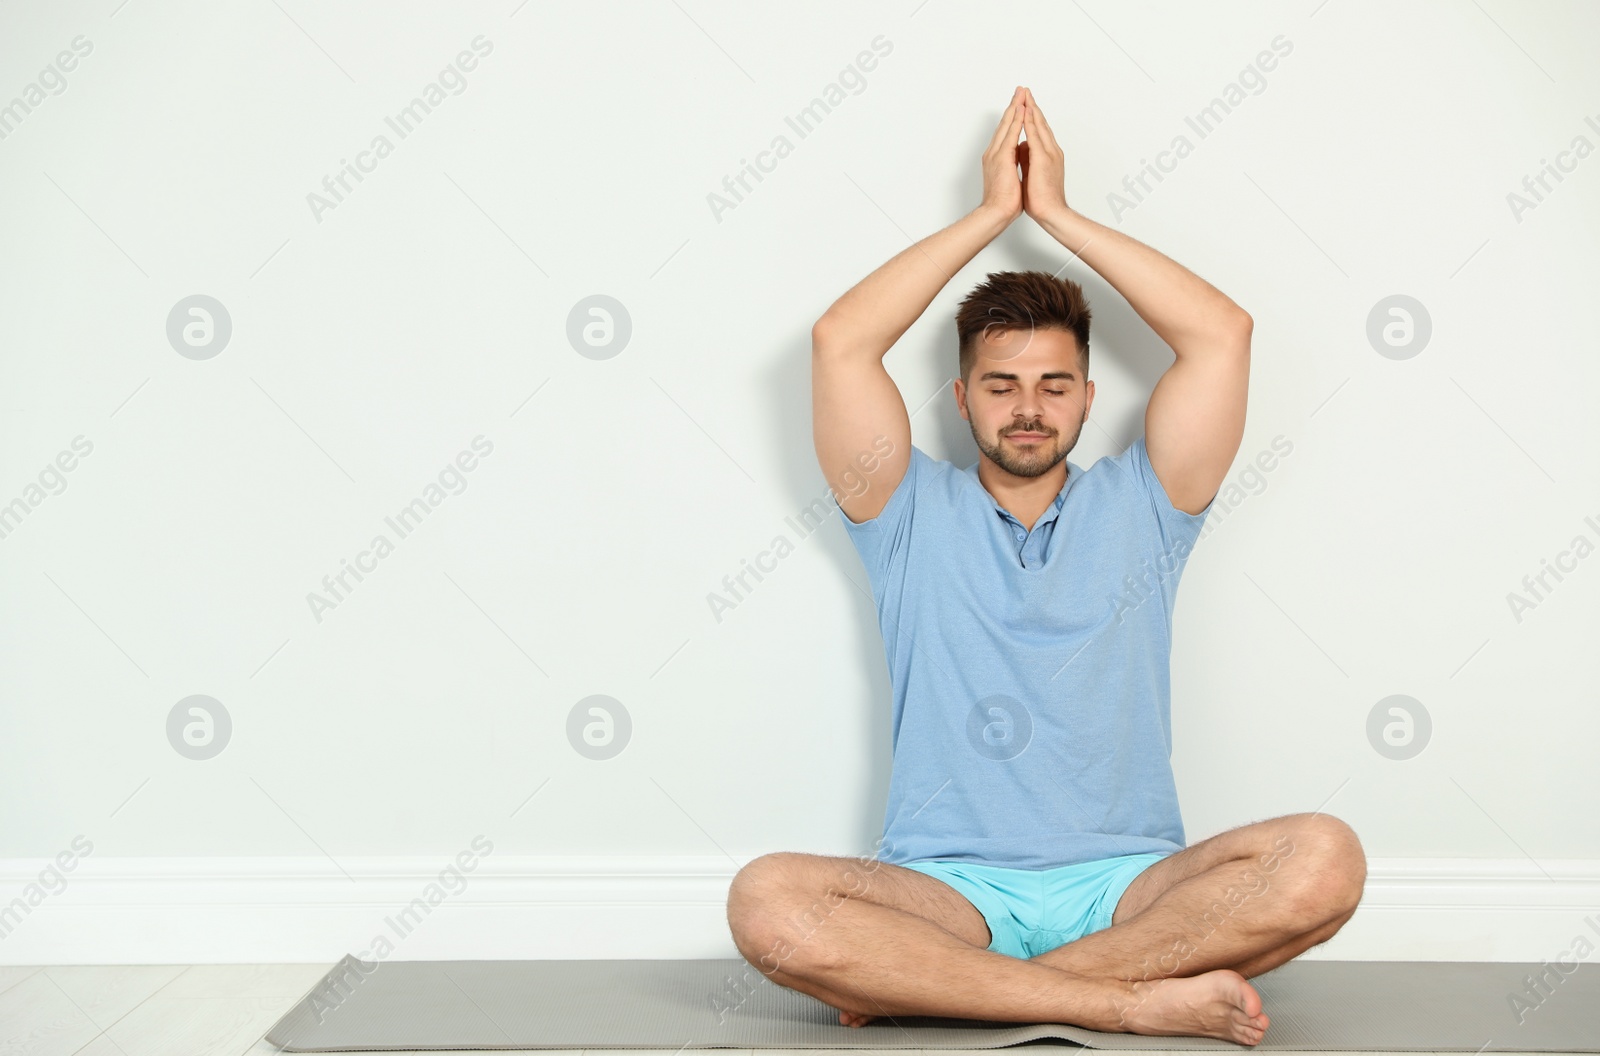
x: 1024, y: 411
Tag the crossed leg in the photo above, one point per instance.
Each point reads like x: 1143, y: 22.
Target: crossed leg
x: 874, y: 939
x: 1247, y: 900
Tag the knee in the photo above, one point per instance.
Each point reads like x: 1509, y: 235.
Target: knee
x: 764, y: 881
x: 1330, y: 866
x: 754, y: 892
x: 760, y: 899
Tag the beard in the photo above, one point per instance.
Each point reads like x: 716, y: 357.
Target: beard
x: 1029, y: 460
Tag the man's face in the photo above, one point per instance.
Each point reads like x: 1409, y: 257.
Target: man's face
x: 1028, y: 400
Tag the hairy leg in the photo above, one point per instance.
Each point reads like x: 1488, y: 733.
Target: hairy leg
x: 1248, y: 899
x: 860, y: 942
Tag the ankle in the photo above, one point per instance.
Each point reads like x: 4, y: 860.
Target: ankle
x: 1103, y: 1003
x: 1128, y: 998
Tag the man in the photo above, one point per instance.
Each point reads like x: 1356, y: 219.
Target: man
x: 1035, y: 867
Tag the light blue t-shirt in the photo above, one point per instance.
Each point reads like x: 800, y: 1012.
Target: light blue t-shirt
x: 1031, y: 722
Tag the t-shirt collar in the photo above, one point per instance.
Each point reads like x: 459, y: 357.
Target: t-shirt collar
x: 1073, y: 474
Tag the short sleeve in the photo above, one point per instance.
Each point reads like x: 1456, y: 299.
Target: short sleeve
x: 881, y: 540
x: 1178, y: 529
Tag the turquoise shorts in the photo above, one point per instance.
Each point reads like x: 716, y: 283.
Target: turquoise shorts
x: 1032, y: 911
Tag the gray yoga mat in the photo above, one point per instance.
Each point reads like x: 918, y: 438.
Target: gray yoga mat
x: 1395, y: 1006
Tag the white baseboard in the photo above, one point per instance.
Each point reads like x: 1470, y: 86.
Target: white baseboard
x: 307, y: 910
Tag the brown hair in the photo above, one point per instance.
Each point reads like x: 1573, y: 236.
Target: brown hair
x: 1022, y: 300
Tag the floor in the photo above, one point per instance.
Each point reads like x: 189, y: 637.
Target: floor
x: 201, y: 1010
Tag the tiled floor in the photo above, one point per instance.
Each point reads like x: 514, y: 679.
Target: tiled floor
x: 208, y: 1010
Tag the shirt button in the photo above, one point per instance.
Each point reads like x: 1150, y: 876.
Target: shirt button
x: 1019, y: 537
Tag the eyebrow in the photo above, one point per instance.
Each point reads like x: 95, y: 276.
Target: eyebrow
x: 997, y: 375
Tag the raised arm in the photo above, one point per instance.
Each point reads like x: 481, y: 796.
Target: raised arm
x: 859, y: 422
x: 1195, y: 418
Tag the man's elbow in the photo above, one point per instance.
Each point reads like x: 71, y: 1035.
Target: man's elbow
x: 1243, y: 326
x: 1220, y: 342
x: 824, y: 337
x: 1234, y: 338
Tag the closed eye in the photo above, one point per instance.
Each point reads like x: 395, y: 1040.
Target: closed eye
x: 1053, y: 392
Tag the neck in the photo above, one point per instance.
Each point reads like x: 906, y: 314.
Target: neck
x: 1025, y: 498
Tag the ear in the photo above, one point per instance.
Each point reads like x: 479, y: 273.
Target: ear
x: 961, y: 399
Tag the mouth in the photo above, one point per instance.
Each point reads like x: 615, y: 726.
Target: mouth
x: 1027, y: 438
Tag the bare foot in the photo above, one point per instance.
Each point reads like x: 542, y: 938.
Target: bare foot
x: 1215, y: 1004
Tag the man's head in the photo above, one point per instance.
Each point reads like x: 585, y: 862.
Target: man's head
x: 1024, y: 340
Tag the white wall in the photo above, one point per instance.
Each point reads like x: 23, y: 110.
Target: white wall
x: 373, y: 340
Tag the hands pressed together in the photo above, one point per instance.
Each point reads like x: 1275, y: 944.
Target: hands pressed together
x: 1040, y: 190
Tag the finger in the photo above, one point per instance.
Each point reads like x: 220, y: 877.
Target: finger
x: 1046, y: 135
x: 1013, y: 129
x: 1007, y: 122
x: 1034, y: 118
